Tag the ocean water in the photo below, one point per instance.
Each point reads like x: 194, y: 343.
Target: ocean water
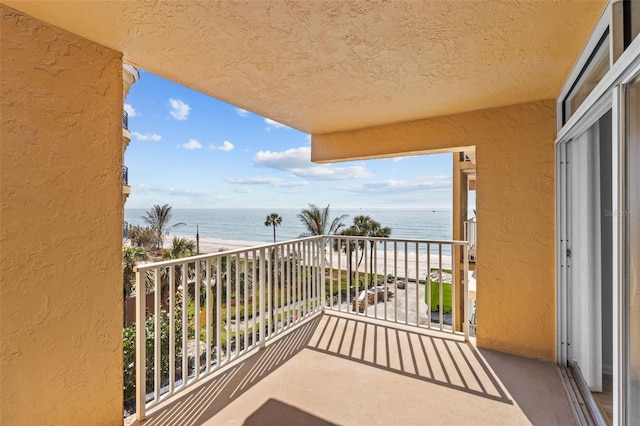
x: 248, y: 224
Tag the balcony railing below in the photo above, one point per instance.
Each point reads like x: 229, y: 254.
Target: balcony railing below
x: 216, y: 308
x: 125, y: 120
x: 125, y: 230
x: 125, y: 176
x: 470, y: 236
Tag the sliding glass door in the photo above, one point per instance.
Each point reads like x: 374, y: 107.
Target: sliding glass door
x: 583, y: 256
x: 631, y: 217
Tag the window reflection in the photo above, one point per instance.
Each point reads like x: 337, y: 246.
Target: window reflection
x: 593, y: 71
x: 632, y: 218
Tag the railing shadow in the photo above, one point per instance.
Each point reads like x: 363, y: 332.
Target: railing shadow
x: 204, y: 401
x: 274, y: 412
x: 445, y: 361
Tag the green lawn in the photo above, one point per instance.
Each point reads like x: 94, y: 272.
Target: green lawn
x: 435, y: 294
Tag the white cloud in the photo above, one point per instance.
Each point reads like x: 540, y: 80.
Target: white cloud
x: 130, y: 110
x: 226, y: 146
x: 396, y: 159
x: 425, y: 183
x: 274, y: 124
x: 297, y: 161
x: 241, y: 112
x: 332, y: 173
x: 242, y: 190
x: 275, y: 182
x: 192, y: 144
x: 285, y: 160
x: 146, y: 136
x: 183, y: 192
x: 179, y: 110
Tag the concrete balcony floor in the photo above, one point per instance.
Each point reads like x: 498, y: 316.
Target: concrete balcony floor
x: 347, y: 370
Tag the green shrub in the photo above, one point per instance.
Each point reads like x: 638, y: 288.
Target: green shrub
x: 129, y: 351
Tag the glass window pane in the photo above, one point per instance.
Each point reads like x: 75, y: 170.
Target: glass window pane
x: 634, y: 14
x: 593, y: 71
x: 632, y: 217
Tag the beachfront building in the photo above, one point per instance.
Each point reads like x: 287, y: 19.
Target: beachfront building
x: 129, y: 76
x: 545, y: 94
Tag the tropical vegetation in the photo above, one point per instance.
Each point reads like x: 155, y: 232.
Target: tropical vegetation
x: 316, y: 221
x: 141, y: 236
x: 180, y: 247
x: 130, y: 256
x: 363, y: 226
x: 158, y: 220
x: 274, y: 219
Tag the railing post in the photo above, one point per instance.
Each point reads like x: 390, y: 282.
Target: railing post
x: 465, y: 291
x: 263, y: 328
x: 141, y: 365
x: 323, y: 296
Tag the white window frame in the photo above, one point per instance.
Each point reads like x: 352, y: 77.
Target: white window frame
x: 609, y: 93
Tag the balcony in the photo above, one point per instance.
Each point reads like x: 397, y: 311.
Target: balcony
x: 470, y: 236
x: 126, y: 189
x: 126, y: 134
x: 326, y: 330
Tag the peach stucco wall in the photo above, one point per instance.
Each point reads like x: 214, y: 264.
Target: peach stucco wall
x: 515, y: 209
x: 61, y: 213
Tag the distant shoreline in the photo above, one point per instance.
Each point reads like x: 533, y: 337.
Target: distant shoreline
x: 210, y: 245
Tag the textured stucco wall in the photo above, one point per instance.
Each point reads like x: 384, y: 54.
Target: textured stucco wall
x: 327, y: 66
x: 515, y: 209
x: 61, y: 213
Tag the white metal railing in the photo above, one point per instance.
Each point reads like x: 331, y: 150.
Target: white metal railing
x: 214, y: 308
x: 470, y: 236
x: 399, y: 280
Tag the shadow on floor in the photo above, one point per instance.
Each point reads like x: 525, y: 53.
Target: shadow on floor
x: 444, y: 361
x: 203, y: 402
x: 276, y: 413
x: 536, y: 387
x: 528, y: 385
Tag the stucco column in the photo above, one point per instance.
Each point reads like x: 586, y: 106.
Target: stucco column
x: 515, y: 164
x: 460, y: 207
x: 61, y: 214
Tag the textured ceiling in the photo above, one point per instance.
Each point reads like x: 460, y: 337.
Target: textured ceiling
x: 330, y: 66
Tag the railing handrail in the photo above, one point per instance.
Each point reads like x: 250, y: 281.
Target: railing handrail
x: 201, y: 257
x: 125, y: 175
x: 125, y: 119
x: 398, y: 240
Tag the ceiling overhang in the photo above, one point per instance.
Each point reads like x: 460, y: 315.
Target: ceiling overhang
x: 324, y: 67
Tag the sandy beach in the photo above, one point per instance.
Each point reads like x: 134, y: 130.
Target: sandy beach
x: 395, y: 265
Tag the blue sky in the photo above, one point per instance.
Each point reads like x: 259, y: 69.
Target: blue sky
x: 193, y: 151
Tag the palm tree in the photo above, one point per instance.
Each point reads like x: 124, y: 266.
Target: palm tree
x: 130, y: 256
x: 180, y: 247
x: 316, y: 221
x: 274, y: 219
x: 376, y: 231
x: 158, y: 219
x: 347, y: 246
x: 142, y: 236
x: 360, y: 227
x: 365, y: 226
